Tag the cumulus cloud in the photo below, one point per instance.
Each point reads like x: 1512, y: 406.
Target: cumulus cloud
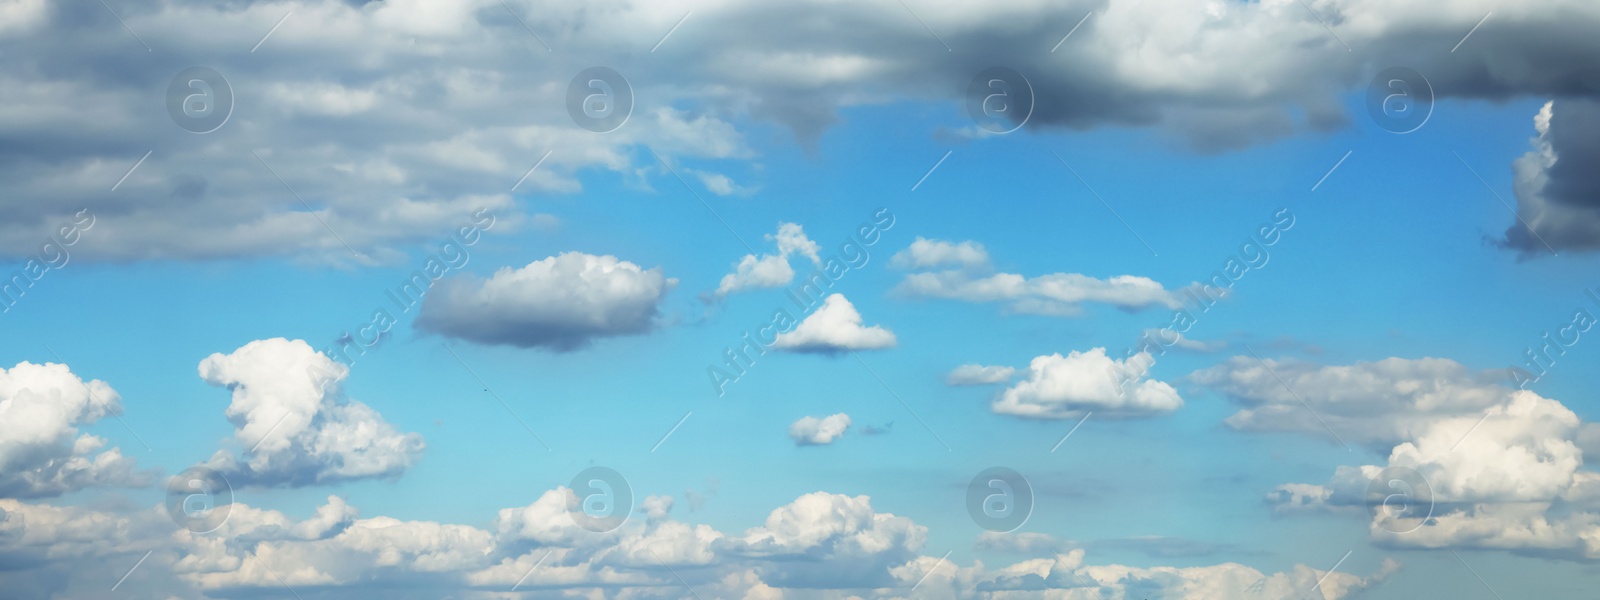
x: 970, y: 278
x: 294, y: 426
x: 820, y: 542
x: 1558, y: 191
x: 835, y: 327
x: 42, y: 452
x: 561, y: 303
x: 979, y: 375
x: 811, y: 431
x: 771, y: 270
x: 1377, y: 403
x: 1502, y: 468
x: 1068, y: 387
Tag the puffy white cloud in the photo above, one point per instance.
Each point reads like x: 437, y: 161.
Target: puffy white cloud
x: 811, y: 431
x: 1379, y: 403
x: 979, y: 375
x: 835, y: 327
x: 821, y: 542
x: 1500, y: 469
x: 42, y: 453
x: 294, y: 425
x: 562, y: 303
x: 924, y: 253
x: 1067, y: 387
x: 971, y: 279
x: 771, y: 270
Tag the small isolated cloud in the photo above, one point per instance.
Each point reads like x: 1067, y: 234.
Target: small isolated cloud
x: 811, y: 431
x: 836, y: 327
x: 293, y: 425
x: 771, y: 270
x: 1067, y: 387
x: 722, y: 185
x: 969, y: 277
x: 42, y: 453
x: 927, y: 254
x: 561, y: 303
x: 979, y: 375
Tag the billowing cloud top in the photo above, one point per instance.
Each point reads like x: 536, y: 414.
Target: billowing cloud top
x: 294, y: 426
x: 41, y: 451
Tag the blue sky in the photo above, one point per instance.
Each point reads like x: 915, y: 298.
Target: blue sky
x: 1398, y: 273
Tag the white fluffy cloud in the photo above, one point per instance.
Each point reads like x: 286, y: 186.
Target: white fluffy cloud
x: 292, y: 424
x: 1503, y: 468
x: 979, y: 374
x: 970, y: 278
x: 42, y: 453
x: 812, y: 431
x: 771, y: 270
x: 835, y: 327
x: 562, y: 303
x: 1067, y: 387
x: 833, y: 543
